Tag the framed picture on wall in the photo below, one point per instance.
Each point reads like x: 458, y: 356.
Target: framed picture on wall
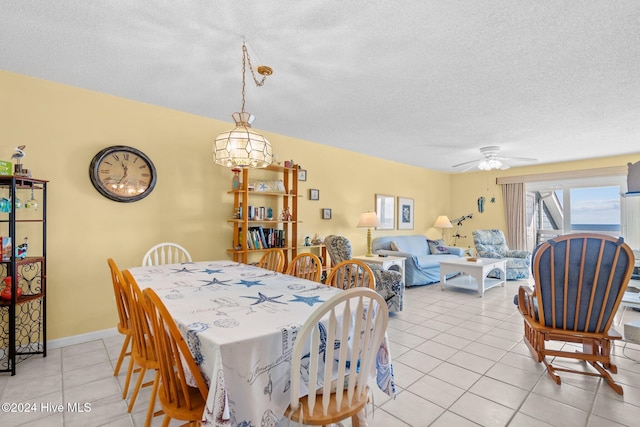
x: 405, y: 213
x: 326, y: 213
x: 302, y: 174
x: 314, y: 194
x: 385, y: 210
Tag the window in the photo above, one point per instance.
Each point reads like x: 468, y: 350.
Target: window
x: 595, y: 209
x: 593, y: 205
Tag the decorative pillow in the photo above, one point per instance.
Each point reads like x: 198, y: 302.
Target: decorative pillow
x: 437, y: 247
x: 395, y: 247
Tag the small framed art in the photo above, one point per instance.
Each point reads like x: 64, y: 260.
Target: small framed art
x: 326, y: 213
x: 302, y: 174
x: 385, y: 210
x: 314, y: 194
x: 405, y: 213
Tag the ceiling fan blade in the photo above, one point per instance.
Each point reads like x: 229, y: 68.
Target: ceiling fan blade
x: 521, y: 159
x: 465, y: 163
x: 468, y: 168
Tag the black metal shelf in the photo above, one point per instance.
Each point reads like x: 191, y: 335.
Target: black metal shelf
x: 23, y: 318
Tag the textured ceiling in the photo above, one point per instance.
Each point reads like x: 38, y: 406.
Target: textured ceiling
x: 425, y: 83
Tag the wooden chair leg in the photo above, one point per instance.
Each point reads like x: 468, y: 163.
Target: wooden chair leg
x: 128, y: 379
x: 137, y: 388
x: 359, y: 419
x: 152, y: 401
x: 605, y: 350
x: 123, y: 352
x: 607, y: 377
x: 551, y: 371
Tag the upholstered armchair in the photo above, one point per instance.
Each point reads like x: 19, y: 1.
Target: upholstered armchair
x: 388, y: 282
x: 492, y: 244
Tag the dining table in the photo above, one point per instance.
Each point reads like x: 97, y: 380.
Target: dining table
x: 240, y: 323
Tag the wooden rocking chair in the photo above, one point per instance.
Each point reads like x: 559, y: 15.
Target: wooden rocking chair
x: 579, y: 282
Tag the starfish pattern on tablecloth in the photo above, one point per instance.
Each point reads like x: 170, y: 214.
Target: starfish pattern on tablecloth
x: 322, y: 348
x: 250, y: 283
x: 215, y: 281
x: 263, y: 298
x: 183, y: 270
x: 210, y: 271
x: 310, y: 301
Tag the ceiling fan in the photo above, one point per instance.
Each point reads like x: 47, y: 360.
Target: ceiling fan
x: 491, y: 160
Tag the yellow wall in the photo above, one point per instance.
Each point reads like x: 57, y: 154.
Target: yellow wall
x: 468, y: 187
x: 63, y: 127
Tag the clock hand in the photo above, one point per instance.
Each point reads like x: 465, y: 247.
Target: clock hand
x: 125, y: 174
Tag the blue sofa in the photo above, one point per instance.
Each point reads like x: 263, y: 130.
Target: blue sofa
x: 422, y: 267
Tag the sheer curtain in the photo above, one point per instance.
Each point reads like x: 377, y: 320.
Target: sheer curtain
x: 514, y: 210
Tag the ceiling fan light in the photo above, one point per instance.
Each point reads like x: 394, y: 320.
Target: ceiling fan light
x: 484, y: 165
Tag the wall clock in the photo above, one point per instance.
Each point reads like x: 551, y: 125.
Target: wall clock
x: 122, y: 173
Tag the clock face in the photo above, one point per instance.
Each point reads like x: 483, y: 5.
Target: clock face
x: 122, y: 173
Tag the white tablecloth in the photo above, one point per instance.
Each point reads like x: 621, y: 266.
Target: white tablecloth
x: 240, y: 322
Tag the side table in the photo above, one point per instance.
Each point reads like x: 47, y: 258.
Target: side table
x: 384, y: 262
x: 474, y: 273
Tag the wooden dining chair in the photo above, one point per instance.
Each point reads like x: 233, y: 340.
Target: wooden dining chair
x: 178, y: 399
x: 306, y: 266
x: 356, y: 325
x: 351, y: 274
x: 273, y: 259
x: 580, y: 280
x: 166, y: 253
x: 124, y: 313
x: 143, y: 352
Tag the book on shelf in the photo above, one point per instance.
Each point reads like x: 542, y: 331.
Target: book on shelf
x: 259, y: 237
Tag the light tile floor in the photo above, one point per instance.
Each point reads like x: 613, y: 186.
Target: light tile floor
x: 459, y: 360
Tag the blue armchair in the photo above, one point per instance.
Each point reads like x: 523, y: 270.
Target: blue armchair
x: 492, y: 244
x: 388, y: 282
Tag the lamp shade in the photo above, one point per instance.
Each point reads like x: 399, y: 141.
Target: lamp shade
x: 442, y: 222
x: 242, y: 146
x: 368, y: 219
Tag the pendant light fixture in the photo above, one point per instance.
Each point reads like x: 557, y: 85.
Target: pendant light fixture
x: 242, y: 146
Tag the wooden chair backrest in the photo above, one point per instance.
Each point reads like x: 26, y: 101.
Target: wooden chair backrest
x: 306, y: 266
x: 121, y: 296
x: 142, y: 336
x: 357, y: 316
x: 166, y: 253
x: 174, y: 356
x: 273, y: 259
x: 580, y: 280
x: 351, y: 274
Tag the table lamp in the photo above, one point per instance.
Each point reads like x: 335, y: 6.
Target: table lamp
x: 442, y: 222
x: 368, y: 220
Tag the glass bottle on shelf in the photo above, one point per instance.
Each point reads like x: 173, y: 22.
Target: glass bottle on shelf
x: 235, y: 183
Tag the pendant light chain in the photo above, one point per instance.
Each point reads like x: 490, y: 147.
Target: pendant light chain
x: 244, y: 55
x: 264, y: 71
x: 242, y: 146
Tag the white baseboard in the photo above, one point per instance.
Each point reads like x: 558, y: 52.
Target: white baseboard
x: 82, y: 338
